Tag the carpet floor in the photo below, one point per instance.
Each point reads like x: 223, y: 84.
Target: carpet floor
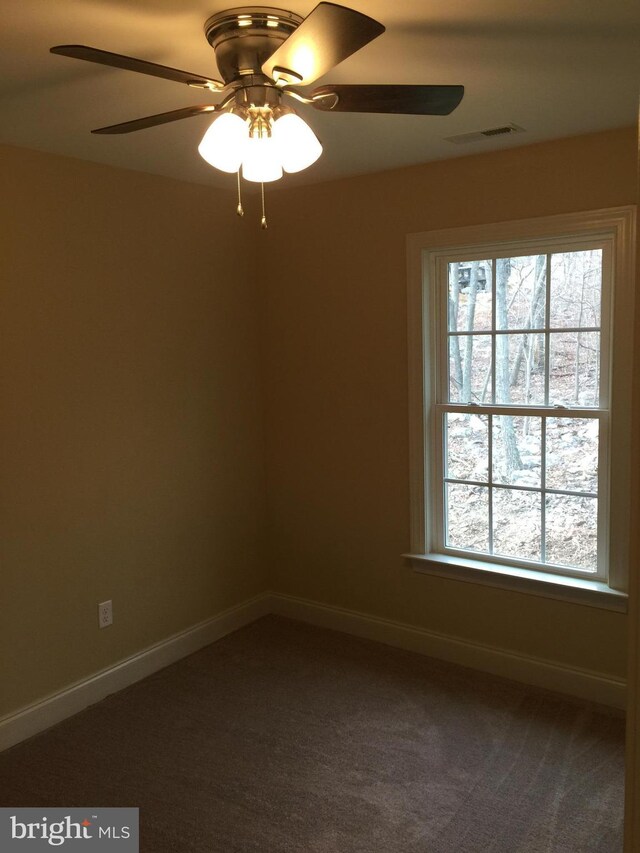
x: 285, y: 738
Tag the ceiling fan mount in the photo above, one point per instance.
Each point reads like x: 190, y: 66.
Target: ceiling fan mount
x: 243, y: 39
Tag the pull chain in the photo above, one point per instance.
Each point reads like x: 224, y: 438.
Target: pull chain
x: 263, y: 221
x: 239, y: 209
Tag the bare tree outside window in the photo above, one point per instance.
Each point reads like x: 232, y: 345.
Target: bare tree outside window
x: 523, y: 335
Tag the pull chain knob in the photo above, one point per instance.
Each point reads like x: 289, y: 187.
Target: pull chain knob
x: 263, y: 221
x: 239, y: 209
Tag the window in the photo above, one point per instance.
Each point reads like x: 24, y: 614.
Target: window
x: 519, y: 424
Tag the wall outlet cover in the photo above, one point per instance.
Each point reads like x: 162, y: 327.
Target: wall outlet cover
x: 105, y: 614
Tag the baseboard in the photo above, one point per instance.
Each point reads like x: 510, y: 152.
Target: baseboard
x: 550, y: 675
x: 572, y: 681
x: 53, y: 709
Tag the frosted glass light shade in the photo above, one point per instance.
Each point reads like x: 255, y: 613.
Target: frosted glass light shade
x: 261, y: 160
x: 223, y: 144
x: 298, y: 146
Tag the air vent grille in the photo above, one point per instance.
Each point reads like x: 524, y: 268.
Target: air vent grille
x: 479, y: 135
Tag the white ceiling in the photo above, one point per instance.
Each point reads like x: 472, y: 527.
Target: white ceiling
x: 555, y: 67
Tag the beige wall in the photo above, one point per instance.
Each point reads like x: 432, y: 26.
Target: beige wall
x: 632, y: 765
x: 130, y: 430
x: 131, y: 445
x: 336, y: 388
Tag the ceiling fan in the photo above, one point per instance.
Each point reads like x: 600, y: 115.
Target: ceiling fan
x: 264, y: 55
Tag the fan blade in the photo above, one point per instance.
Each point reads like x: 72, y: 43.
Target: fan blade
x: 329, y: 34
x: 409, y: 100
x: 160, y: 118
x: 116, y: 60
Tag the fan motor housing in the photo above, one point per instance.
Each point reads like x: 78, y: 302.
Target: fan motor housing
x: 244, y: 38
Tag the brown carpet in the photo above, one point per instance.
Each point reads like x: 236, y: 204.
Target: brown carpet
x: 284, y: 737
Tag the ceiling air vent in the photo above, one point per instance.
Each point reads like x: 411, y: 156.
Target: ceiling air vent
x: 479, y: 135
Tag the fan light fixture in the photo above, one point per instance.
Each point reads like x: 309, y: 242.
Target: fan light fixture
x: 263, y: 55
x: 262, y: 141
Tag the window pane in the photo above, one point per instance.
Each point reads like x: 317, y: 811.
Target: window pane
x: 571, y: 530
x: 574, y: 368
x: 470, y: 296
x: 467, y: 522
x: 576, y: 285
x: 517, y: 523
x: 470, y: 369
x: 467, y: 439
x: 516, y: 450
x: 521, y: 286
x: 572, y: 454
x: 520, y: 369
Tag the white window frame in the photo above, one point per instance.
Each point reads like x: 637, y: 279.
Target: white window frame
x: 436, y: 271
x: 614, y: 229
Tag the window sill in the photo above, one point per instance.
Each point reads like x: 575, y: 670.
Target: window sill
x: 575, y: 590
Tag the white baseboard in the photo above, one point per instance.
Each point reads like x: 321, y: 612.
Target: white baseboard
x: 572, y: 681
x: 550, y: 675
x: 53, y: 709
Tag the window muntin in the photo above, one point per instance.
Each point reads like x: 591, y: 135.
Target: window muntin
x: 521, y: 407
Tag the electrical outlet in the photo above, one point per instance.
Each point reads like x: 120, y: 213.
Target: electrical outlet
x: 105, y: 614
